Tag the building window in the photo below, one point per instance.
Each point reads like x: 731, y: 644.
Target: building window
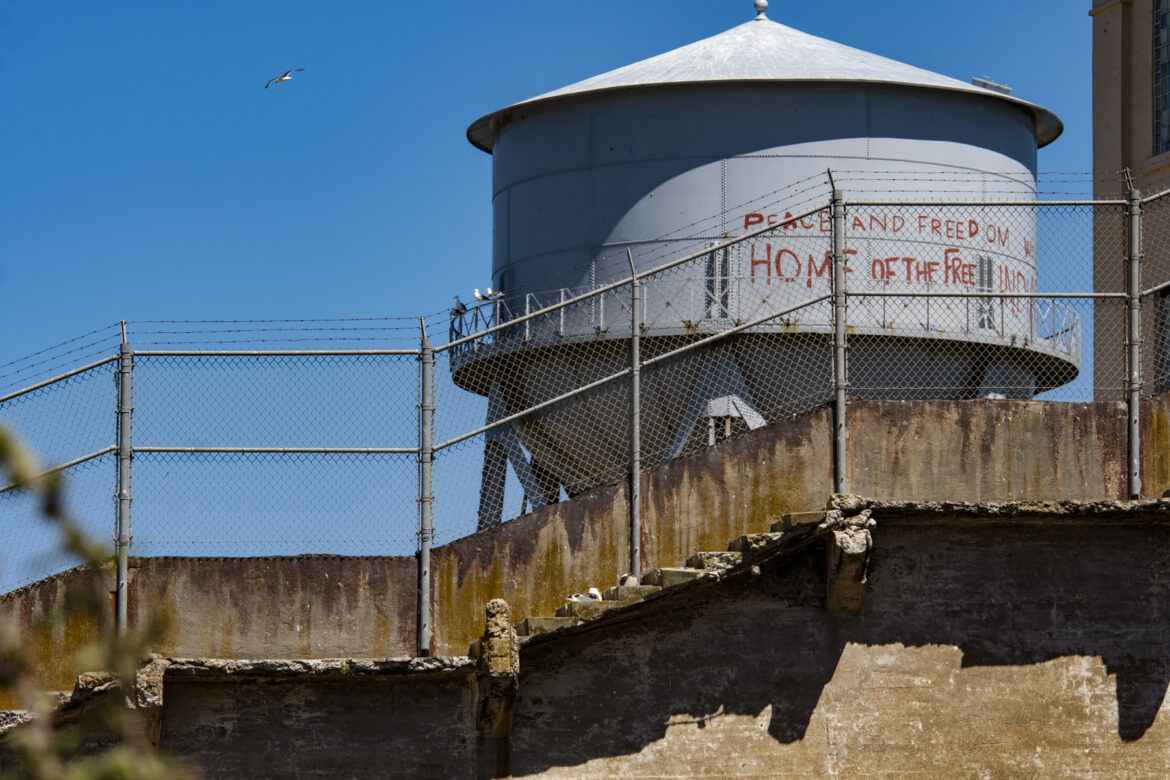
x: 1161, y: 76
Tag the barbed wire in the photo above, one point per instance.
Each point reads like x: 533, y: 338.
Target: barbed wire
x: 213, y: 331
x: 54, y: 363
x: 55, y: 346
x: 311, y: 339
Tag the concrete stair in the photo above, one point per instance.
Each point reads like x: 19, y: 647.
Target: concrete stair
x: 625, y: 594
x: 714, y: 561
x: 573, y: 612
x: 749, y: 543
x: 793, y: 520
x: 668, y: 578
x: 542, y: 625
x: 585, y: 610
x: 698, y: 566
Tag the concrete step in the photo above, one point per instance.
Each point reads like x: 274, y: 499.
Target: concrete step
x: 751, y: 542
x: 585, y: 610
x: 669, y: 577
x: 542, y: 625
x: 624, y: 594
x: 714, y: 561
x: 791, y: 520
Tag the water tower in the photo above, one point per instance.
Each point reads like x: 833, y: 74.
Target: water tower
x: 685, y: 147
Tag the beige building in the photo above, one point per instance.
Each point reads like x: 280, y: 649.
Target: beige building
x: 1131, y: 129
x: 1131, y: 91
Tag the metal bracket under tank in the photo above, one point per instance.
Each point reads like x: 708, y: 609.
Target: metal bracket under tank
x: 501, y: 447
x: 720, y: 393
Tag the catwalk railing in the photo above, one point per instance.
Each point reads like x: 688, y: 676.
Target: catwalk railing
x: 185, y: 439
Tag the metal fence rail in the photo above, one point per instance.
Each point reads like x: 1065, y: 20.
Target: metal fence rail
x: 251, y: 438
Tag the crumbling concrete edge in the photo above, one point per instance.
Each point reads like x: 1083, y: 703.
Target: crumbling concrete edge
x: 215, y: 669
x: 146, y: 693
x: 849, y: 519
x: 1143, y: 511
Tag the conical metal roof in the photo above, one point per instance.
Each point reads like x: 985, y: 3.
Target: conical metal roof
x: 762, y: 51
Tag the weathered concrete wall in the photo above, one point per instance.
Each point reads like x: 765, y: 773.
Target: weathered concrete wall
x: 369, y: 726
x: 989, y: 650
x: 308, y: 606
x: 1155, y: 445
x: 987, y: 450
x: 531, y: 562
x: 51, y: 646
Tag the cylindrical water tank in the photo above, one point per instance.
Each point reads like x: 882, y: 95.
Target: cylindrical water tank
x: 699, y: 144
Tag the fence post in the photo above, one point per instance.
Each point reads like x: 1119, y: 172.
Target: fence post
x: 635, y: 422
x: 425, y: 488
x: 1134, y: 338
x: 840, y: 379
x: 125, y: 430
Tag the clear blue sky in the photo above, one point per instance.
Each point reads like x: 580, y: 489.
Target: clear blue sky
x: 146, y: 173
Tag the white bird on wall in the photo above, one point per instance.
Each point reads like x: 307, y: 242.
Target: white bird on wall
x: 286, y: 76
x: 592, y: 595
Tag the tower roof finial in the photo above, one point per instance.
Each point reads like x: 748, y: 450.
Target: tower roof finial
x: 761, y: 7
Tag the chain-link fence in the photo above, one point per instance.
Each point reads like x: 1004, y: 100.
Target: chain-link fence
x: 243, y: 441
x: 262, y: 438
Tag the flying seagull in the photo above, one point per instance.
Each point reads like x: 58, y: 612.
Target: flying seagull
x: 593, y: 595
x: 287, y: 75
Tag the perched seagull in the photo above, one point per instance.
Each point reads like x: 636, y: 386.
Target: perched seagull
x: 286, y: 76
x: 478, y: 295
x: 497, y: 294
x: 460, y: 307
x: 593, y: 595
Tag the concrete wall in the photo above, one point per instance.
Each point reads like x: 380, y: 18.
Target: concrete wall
x: 323, y: 728
x: 1155, y: 445
x: 988, y: 450
x: 307, y: 606
x: 992, y: 641
x: 989, y: 649
x: 49, y: 644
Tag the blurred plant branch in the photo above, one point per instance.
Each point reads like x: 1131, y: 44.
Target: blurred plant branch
x: 49, y: 747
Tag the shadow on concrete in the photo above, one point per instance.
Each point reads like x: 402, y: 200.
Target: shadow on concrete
x: 1004, y: 596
